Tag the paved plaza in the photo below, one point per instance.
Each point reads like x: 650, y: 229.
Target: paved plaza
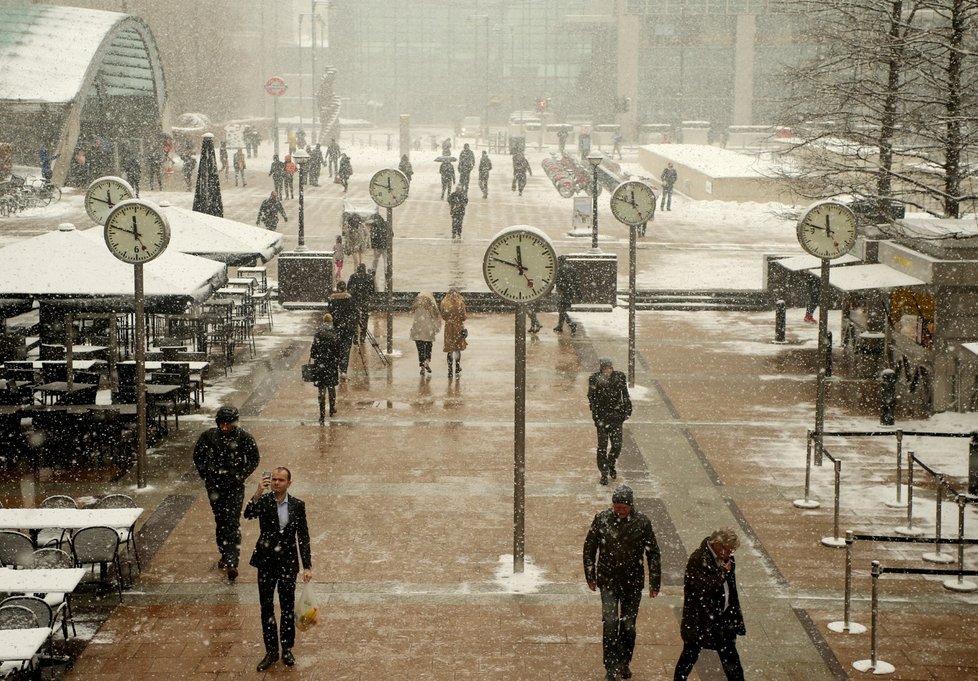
x: 409, y: 489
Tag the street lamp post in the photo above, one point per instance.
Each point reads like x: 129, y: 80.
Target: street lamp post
x: 301, y: 157
x: 485, y: 106
x: 595, y: 160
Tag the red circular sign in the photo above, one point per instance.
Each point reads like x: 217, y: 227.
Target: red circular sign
x: 276, y: 86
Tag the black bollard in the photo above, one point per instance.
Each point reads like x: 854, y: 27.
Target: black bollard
x: 828, y: 354
x: 780, y: 313
x: 888, y: 398
x: 973, y: 464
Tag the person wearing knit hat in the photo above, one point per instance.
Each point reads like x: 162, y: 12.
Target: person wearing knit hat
x: 324, y: 356
x: 607, y: 395
x: 617, y: 542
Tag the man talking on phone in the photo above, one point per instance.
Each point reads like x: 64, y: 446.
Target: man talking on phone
x: 225, y: 456
x: 282, y: 524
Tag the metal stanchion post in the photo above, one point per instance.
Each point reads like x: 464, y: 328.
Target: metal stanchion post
x: 938, y: 556
x: 909, y: 530
x: 960, y: 584
x: 835, y: 540
x: 874, y: 664
x: 806, y: 502
x: 780, y: 320
x: 899, y: 473
x: 846, y: 626
x: 973, y: 464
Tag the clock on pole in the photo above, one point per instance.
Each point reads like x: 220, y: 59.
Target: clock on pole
x: 103, y: 194
x: 136, y: 232
x: 389, y: 188
x: 520, y: 266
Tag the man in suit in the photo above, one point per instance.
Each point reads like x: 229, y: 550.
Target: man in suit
x: 607, y: 395
x: 282, y: 523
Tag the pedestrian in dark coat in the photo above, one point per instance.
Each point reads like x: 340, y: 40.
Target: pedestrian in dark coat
x: 405, y: 167
x: 620, y: 537
x: 155, y: 157
x: 712, y: 618
x: 288, y: 185
x: 332, y: 155
x: 457, y: 201
x: 277, y: 173
x: 447, y: 172
x: 133, y: 171
x: 189, y: 165
x: 607, y: 395
x: 485, y: 165
x: 668, y: 178
x: 223, y: 157
x: 324, y: 356
x: 283, y: 541
x: 466, y: 164
x: 315, y: 165
x: 361, y: 288
x: 345, y: 171
x: 239, y: 167
x: 269, y: 212
x: 47, y: 172
x: 455, y: 337
x: 224, y: 457
x: 566, y: 284
x: 520, y: 168
x: 345, y: 322
x: 378, y: 238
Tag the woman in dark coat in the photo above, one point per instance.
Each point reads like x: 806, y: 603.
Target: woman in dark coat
x: 324, y: 356
x: 344, y: 322
x: 345, y: 171
x: 405, y: 167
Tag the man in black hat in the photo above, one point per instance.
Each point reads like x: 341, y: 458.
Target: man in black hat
x: 225, y: 456
x: 607, y: 395
x: 619, y: 538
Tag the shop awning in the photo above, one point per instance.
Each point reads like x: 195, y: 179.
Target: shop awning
x: 864, y: 277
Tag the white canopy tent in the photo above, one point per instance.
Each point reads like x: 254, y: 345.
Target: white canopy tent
x: 227, y: 241
x: 69, y: 264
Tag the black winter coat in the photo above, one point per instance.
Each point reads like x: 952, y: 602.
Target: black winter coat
x: 620, y: 544
x: 325, y: 355
x: 361, y: 288
x: 466, y: 161
x: 608, y: 397
x: 275, y: 551
x: 226, y: 460
x: 705, y: 622
x: 344, y: 313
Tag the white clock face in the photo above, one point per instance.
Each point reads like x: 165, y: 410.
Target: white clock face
x: 389, y: 187
x: 633, y: 202
x: 103, y: 195
x: 520, y: 266
x: 827, y: 230
x: 136, y: 232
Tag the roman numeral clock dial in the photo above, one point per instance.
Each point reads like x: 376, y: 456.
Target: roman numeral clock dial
x: 520, y: 264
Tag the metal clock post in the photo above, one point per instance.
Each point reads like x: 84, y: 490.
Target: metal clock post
x: 827, y: 230
x: 137, y: 232
x: 389, y: 188
x: 520, y: 266
x: 632, y: 203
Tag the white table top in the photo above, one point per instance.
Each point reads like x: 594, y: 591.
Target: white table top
x: 21, y: 644
x: 69, y: 518
x: 40, y: 580
x: 156, y: 365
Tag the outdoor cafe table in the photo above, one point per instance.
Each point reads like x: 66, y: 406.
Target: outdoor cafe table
x: 67, y: 518
x: 20, y: 645
x: 40, y: 580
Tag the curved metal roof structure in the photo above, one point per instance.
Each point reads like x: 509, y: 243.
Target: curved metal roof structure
x: 53, y: 55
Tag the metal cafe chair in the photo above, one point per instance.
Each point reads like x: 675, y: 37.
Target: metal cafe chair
x: 127, y: 535
x: 54, y: 536
x: 17, y: 617
x: 56, y: 559
x: 98, y: 545
x: 46, y: 616
x: 16, y: 549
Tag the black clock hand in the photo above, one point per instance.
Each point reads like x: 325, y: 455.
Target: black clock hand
x: 95, y: 198
x: 634, y: 205
x: 519, y: 260
x: 828, y: 229
x: 506, y: 262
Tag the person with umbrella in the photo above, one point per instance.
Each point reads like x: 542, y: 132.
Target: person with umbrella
x: 447, y: 172
x: 269, y: 212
